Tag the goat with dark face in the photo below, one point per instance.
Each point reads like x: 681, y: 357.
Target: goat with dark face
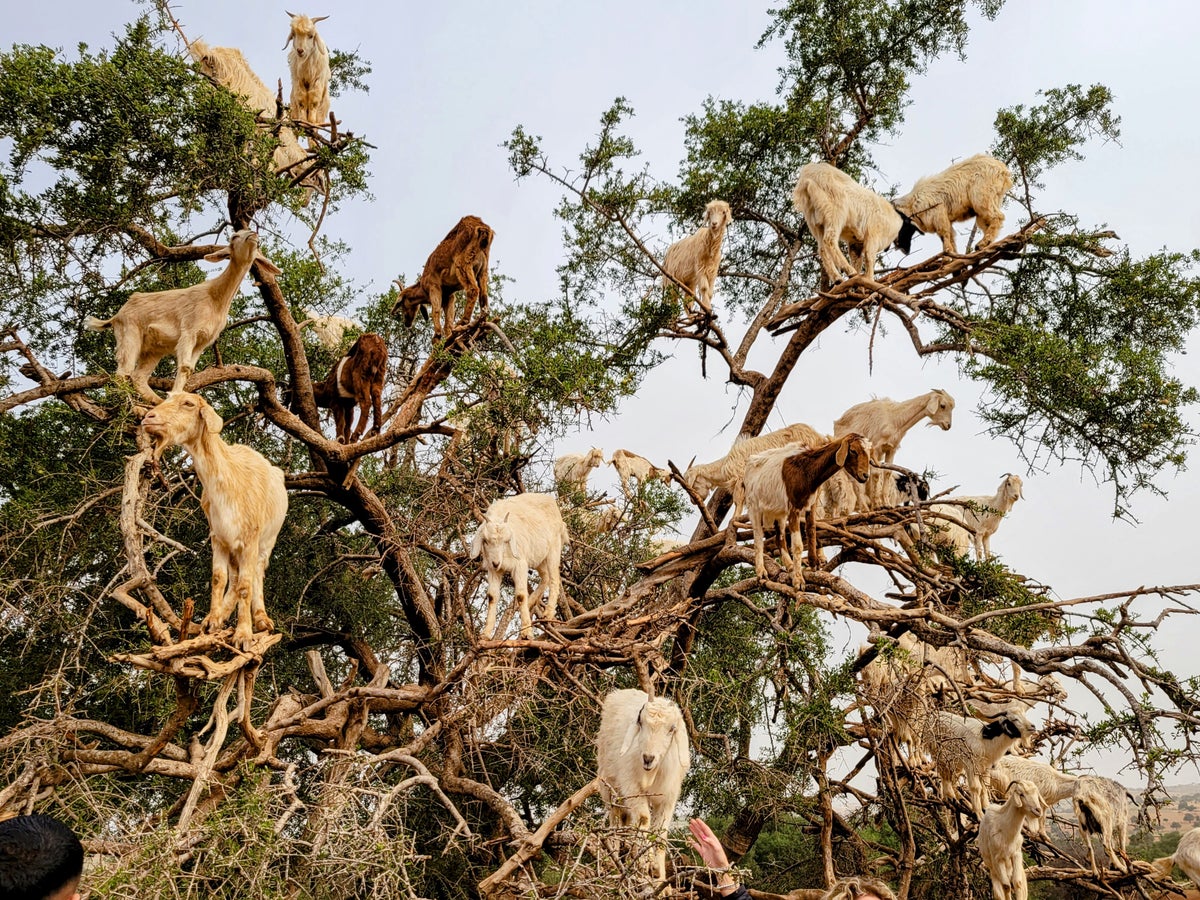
x: 907, y: 483
x: 355, y: 380
x: 807, y: 470
x: 458, y: 263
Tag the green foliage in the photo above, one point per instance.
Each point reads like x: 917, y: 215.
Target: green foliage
x: 1040, y: 137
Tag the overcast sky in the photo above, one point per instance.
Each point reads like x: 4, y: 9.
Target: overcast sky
x: 451, y: 80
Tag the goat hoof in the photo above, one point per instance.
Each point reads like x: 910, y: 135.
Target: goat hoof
x: 262, y: 622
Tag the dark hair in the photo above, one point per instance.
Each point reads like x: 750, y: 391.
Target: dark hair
x: 39, y: 856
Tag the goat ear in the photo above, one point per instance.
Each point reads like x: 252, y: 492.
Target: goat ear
x: 683, y: 753
x: 266, y: 265
x: 843, y: 451
x: 630, y: 734
x: 212, y: 421
x: 477, y: 543
x: 217, y: 255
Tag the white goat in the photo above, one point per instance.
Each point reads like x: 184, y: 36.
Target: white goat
x: 573, y: 468
x: 183, y: 321
x: 244, y: 500
x: 693, y: 261
x: 227, y: 67
x: 328, y: 330
x: 836, y: 207
x: 727, y: 471
x: 885, y: 422
x: 1102, y: 811
x: 308, y: 61
x: 968, y: 747
x: 642, y: 756
x: 1052, y: 785
x: 973, y: 187
x: 1186, y: 856
x: 518, y: 534
x: 630, y: 466
x: 975, y: 527
x: 999, y: 840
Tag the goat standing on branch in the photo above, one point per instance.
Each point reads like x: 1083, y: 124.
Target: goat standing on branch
x: 974, y: 187
x: 518, y: 534
x: 884, y: 423
x: 693, y: 261
x: 1000, y: 839
x: 642, y: 756
x: 837, y: 208
x: 458, y: 263
x: 308, y: 61
x: 244, y: 500
x: 356, y: 380
x: 975, y: 527
x: 184, y: 321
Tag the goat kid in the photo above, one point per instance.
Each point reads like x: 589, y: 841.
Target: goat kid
x: 355, y: 380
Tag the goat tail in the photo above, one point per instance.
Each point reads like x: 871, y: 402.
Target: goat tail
x: 91, y: 323
x: 1163, y: 866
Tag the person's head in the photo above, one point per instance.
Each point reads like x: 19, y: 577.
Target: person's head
x: 40, y: 859
x: 860, y: 887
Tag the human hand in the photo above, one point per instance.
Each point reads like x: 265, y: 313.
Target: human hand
x: 705, y: 843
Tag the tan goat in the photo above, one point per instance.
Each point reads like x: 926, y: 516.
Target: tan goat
x: 183, y: 321
x: 244, y: 500
x: 308, y: 61
x: 693, y: 261
x: 458, y: 263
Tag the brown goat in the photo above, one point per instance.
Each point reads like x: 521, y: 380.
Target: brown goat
x: 356, y: 380
x: 458, y: 263
x: 807, y: 470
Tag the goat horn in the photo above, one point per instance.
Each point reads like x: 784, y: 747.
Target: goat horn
x: 292, y: 14
x: 320, y: 19
x: 692, y: 463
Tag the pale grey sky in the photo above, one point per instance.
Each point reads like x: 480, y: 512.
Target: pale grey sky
x: 451, y: 81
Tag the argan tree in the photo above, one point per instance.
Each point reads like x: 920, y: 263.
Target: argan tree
x: 374, y: 744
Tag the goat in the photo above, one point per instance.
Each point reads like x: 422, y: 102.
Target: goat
x: 1052, y: 784
x: 765, y: 497
x: 642, y: 756
x: 228, y: 68
x: 999, y: 839
x: 836, y: 207
x: 355, y: 380
x: 244, y: 500
x: 458, y: 263
x: 727, y: 471
x: 804, y: 472
x: 902, y: 685
x: 693, y: 260
x: 571, y: 469
x: 974, y: 527
x: 1186, y: 856
x: 1101, y: 811
x: 308, y: 62
x: 184, y: 321
x: 973, y: 187
x: 328, y: 330
x: 630, y: 466
x: 968, y: 747
x: 518, y: 534
x: 885, y: 422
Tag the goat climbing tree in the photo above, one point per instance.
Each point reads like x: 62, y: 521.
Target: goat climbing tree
x: 376, y: 745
